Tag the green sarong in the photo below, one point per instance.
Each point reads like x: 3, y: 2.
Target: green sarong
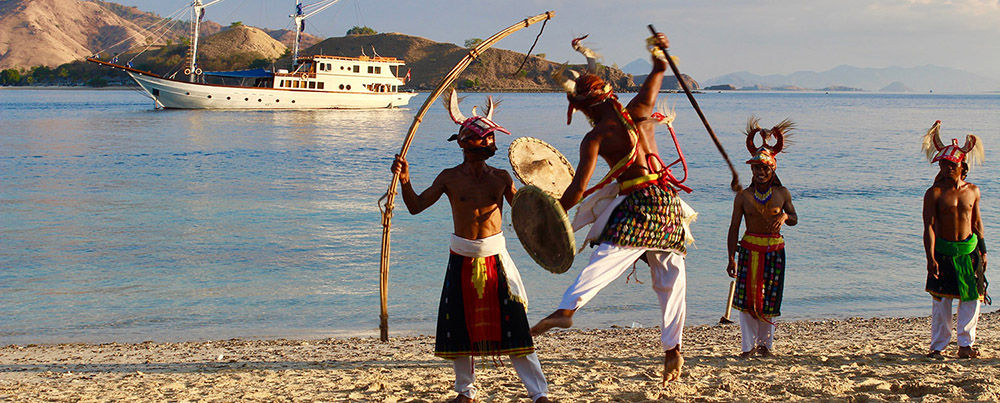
x: 959, y: 255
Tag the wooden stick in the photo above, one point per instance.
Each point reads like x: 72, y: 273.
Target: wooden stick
x: 729, y: 303
x: 735, y: 184
x: 390, y: 195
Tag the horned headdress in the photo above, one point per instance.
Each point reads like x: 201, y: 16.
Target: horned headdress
x: 476, y: 125
x: 766, y: 153
x: 972, y: 153
x: 586, y: 89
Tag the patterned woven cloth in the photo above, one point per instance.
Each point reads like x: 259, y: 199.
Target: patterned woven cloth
x: 649, y: 218
x: 478, y: 316
x: 761, y: 275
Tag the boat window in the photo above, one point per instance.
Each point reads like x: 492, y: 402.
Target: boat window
x: 319, y: 85
x: 378, y: 69
x: 357, y: 69
x: 312, y: 84
x: 341, y: 67
x: 371, y: 69
x: 348, y: 87
x: 341, y: 86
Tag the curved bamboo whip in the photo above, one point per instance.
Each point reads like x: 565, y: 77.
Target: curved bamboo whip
x: 390, y: 195
x: 735, y: 184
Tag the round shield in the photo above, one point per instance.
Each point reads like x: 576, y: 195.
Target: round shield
x: 537, y: 163
x: 543, y: 228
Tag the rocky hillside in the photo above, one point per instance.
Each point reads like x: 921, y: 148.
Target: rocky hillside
x: 430, y: 61
x: 239, y: 40
x: 53, y: 32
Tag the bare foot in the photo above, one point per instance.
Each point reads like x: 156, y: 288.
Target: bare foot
x: 462, y: 399
x: 560, y: 318
x: 967, y: 352
x: 934, y: 354
x: 747, y: 354
x: 543, y: 399
x: 672, y: 363
x: 764, y: 352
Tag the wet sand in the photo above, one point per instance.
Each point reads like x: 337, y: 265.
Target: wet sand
x: 832, y: 360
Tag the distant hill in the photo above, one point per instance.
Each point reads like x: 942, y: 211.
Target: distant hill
x: 922, y: 79
x: 54, y: 32
x: 637, y: 67
x: 430, y: 61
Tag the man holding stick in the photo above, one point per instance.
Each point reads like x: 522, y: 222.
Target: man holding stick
x: 645, y: 220
x: 953, y: 243
x: 482, y: 309
x: 760, y: 264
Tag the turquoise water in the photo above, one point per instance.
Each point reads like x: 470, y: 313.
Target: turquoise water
x: 122, y: 223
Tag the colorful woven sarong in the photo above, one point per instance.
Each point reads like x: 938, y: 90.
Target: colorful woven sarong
x: 761, y: 275
x: 960, y: 270
x: 649, y: 217
x: 478, y: 315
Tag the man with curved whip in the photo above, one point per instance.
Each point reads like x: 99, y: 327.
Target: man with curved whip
x: 483, y: 304
x: 759, y: 266
x: 953, y: 242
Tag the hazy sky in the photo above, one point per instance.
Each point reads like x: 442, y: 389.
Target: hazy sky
x: 710, y: 37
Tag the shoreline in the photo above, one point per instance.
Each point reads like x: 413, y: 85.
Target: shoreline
x: 878, y: 359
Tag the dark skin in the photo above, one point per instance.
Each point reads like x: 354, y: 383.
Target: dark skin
x: 609, y: 140
x: 950, y: 212
x: 766, y: 219
x: 475, y: 190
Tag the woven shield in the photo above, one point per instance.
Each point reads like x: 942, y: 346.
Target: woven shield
x: 537, y: 163
x: 543, y: 228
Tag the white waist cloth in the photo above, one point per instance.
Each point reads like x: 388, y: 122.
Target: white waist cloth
x: 598, y: 207
x: 490, y: 246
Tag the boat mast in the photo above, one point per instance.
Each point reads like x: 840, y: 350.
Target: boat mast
x: 299, y: 19
x: 198, y: 11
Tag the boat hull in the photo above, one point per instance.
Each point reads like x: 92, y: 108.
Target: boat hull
x: 174, y: 94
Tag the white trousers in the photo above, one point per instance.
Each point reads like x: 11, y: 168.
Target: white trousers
x: 608, y: 262
x: 755, y: 332
x: 527, y: 367
x: 941, y: 323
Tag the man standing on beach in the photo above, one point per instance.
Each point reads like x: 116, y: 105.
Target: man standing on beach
x: 644, y: 220
x: 759, y: 267
x: 953, y: 242
x: 483, y: 304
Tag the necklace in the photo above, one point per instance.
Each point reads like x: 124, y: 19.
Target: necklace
x: 762, y: 198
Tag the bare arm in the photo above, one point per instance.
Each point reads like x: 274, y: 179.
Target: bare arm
x: 645, y: 100
x: 734, y: 233
x: 584, y: 170
x: 416, y: 203
x: 977, y: 223
x: 929, y: 210
x: 791, y: 218
x: 509, y: 189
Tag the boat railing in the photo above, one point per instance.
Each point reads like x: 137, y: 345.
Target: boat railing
x: 381, y: 59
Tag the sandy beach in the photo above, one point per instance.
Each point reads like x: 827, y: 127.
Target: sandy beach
x: 834, y: 360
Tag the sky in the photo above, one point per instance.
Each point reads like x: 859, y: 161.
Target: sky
x: 710, y: 38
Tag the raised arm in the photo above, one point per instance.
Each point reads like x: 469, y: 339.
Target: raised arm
x: 645, y: 100
x: 416, y: 203
x: 734, y: 233
x: 930, y: 199
x: 588, y: 161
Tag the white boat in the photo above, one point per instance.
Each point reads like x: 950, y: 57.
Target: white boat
x: 314, y: 82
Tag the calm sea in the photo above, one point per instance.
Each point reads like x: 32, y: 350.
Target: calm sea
x: 123, y: 223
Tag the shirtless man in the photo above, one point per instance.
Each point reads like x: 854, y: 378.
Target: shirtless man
x: 482, y: 310
x: 953, y: 244
x: 647, y: 212
x: 760, y: 264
